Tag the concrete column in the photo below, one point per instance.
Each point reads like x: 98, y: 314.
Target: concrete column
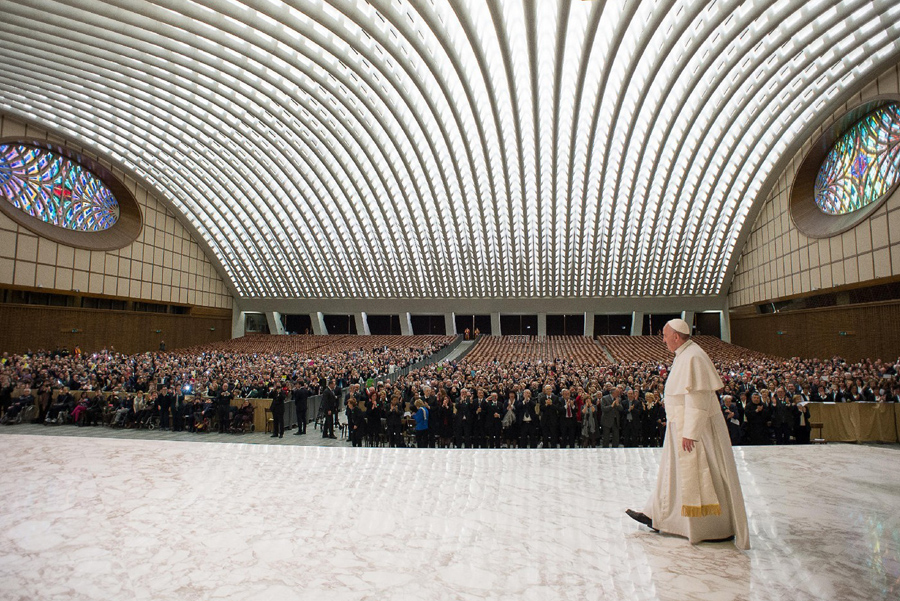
x: 406, y: 324
x: 542, y: 324
x: 688, y: 316
x: 637, y: 323
x: 238, y: 321
x: 318, y: 323
x: 725, y: 324
x: 273, y: 318
x: 450, y: 323
x: 589, y: 325
x: 495, y: 324
x: 362, y: 324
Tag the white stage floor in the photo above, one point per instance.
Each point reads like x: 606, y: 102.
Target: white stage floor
x: 106, y: 519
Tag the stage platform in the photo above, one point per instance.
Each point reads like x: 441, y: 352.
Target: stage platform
x: 100, y: 518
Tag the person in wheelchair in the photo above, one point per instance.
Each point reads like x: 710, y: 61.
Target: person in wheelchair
x: 59, y: 408
x: 243, y: 418
x: 17, y: 406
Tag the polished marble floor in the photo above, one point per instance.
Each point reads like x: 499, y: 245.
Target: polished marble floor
x: 105, y: 518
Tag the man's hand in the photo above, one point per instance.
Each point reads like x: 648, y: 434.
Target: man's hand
x: 687, y: 444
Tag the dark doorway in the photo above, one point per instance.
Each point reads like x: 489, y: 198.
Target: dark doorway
x: 384, y: 325
x: 340, y: 324
x: 433, y: 325
x: 612, y: 325
x: 298, y: 324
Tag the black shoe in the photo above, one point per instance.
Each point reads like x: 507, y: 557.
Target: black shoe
x: 274, y: 436
x: 637, y: 516
x: 297, y: 433
x: 727, y: 539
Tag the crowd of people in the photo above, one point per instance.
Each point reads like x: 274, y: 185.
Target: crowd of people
x: 549, y: 403
x: 560, y: 403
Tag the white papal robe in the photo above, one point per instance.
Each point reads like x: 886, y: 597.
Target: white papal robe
x: 698, y: 494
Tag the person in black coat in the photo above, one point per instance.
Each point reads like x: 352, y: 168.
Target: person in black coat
x: 277, y: 410
x: 355, y: 422
x: 395, y: 425
x: 800, y: 420
x: 223, y: 407
x: 465, y: 419
x: 164, y: 405
x: 329, y: 407
x: 757, y: 416
x: 300, y: 394
x: 549, y: 422
x: 493, y: 422
x: 782, y: 417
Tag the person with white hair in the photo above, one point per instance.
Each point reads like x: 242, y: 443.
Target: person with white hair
x: 698, y: 494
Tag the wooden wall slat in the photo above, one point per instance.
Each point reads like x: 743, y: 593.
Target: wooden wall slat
x: 874, y: 332
x: 24, y: 327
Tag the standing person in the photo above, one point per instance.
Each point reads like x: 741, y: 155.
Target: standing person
x: 329, y: 406
x: 421, y: 424
x: 223, y: 405
x: 277, y: 409
x: 698, y: 494
x: 300, y: 394
x: 568, y: 422
x: 164, y: 403
x: 802, y: 427
x: 610, y: 406
x: 549, y: 422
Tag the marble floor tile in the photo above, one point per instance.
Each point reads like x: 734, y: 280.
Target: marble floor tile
x: 104, y: 518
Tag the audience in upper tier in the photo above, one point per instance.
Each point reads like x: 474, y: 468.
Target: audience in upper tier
x: 523, y: 394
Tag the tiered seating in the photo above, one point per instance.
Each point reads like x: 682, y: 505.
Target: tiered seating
x: 319, y: 345
x: 652, y: 349
x: 634, y: 349
x: 516, y: 349
x: 725, y: 352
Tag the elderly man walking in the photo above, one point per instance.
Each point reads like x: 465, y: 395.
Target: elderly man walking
x: 698, y: 494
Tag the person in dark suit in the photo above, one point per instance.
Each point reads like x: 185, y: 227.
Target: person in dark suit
x: 568, y: 423
x: 733, y: 418
x: 549, y: 422
x: 277, y: 409
x: 300, y: 395
x: 329, y: 407
x: 528, y: 421
x: 631, y: 419
x: 782, y: 418
x: 610, y: 408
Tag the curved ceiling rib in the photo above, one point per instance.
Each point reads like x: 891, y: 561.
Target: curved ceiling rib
x: 448, y: 148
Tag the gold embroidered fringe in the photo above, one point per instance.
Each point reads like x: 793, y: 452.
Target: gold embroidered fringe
x: 693, y: 511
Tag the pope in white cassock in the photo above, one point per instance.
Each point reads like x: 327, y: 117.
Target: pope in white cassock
x: 698, y: 494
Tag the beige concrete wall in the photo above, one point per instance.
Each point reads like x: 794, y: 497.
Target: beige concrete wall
x: 165, y: 263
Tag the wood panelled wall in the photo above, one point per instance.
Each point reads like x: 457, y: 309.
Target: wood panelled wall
x: 24, y: 327
x: 869, y: 331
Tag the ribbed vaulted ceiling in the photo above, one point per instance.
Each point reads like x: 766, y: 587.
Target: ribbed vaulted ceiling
x: 451, y: 149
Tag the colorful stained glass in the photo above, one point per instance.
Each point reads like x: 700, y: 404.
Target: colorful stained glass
x: 55, y: 189
x: 864, y: 164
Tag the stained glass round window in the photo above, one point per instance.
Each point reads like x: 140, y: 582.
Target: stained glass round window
x: 65, y: 196
x: 55, y: 190
x: 863, y: 165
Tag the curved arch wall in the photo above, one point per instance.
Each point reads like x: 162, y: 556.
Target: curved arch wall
x: 780, y: 262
